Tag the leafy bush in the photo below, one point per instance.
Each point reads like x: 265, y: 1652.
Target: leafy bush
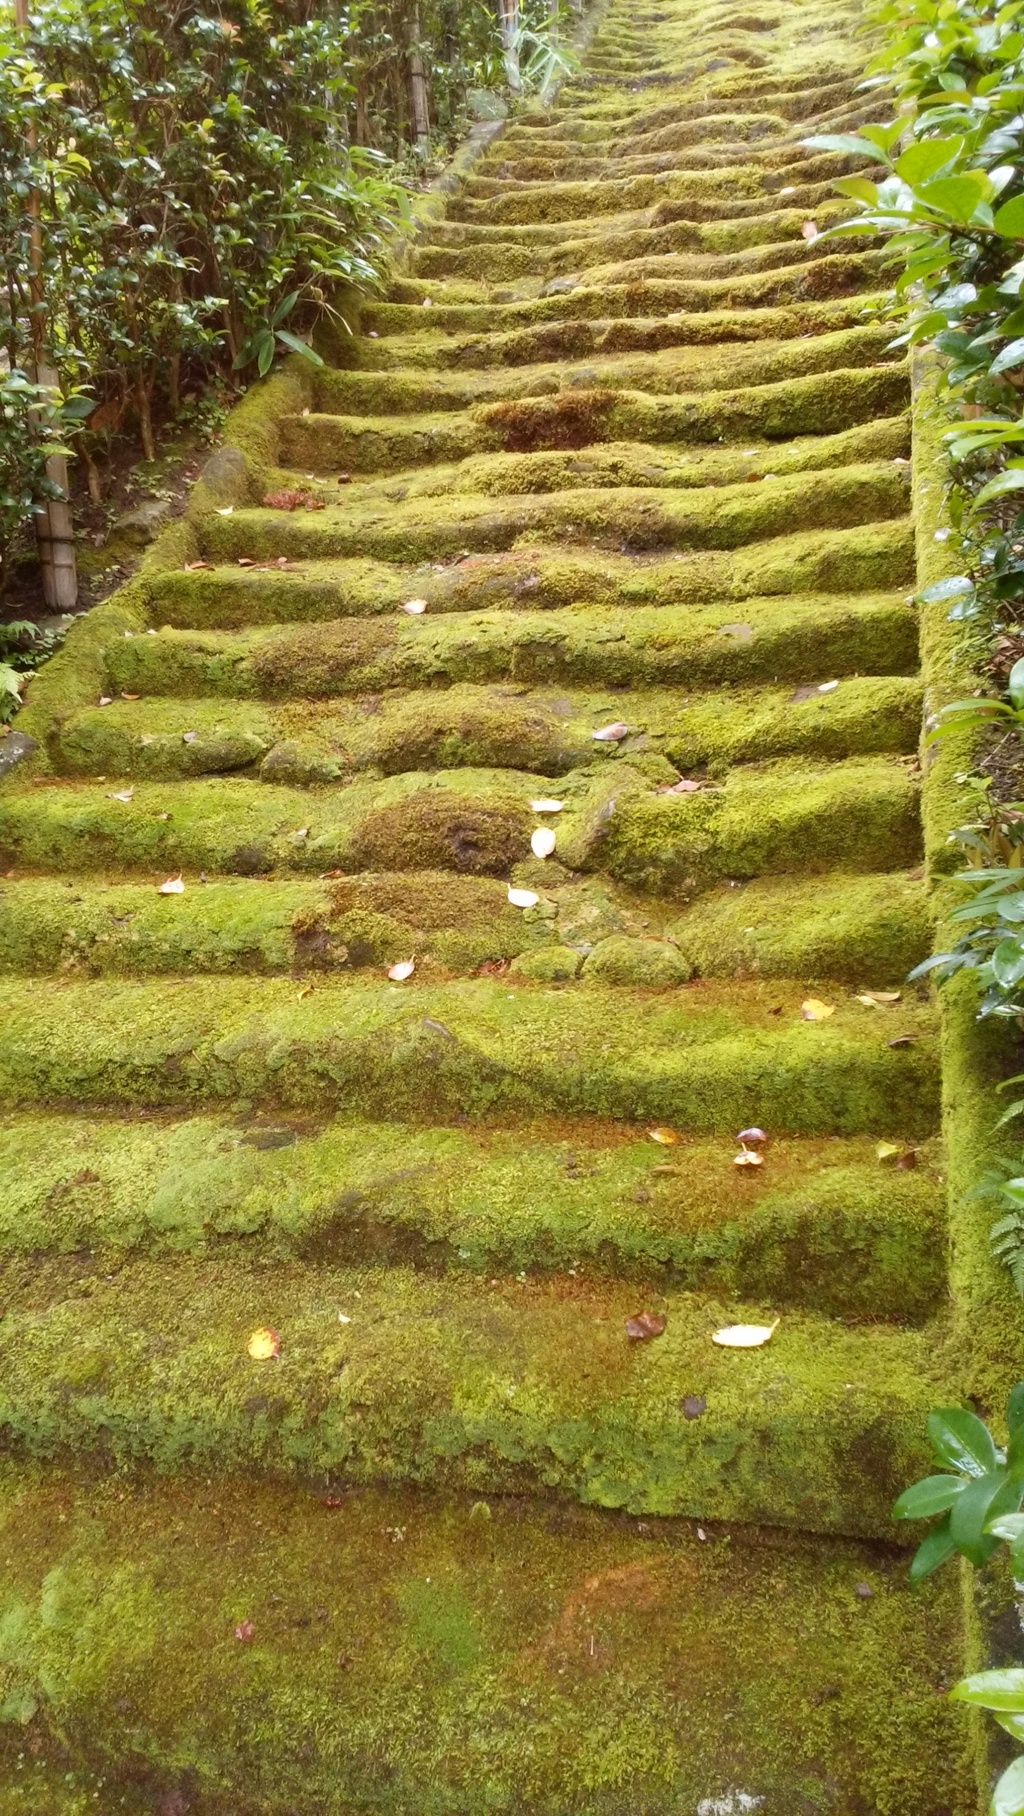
x: 33, y: 420
x: 977, y: 1498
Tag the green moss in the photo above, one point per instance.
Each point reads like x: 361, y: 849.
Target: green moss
x: 415, y: 1387
x: 647, y: 641
x: 643, y: 963
x: 478, y: 1653
x: 548, y: 965
x: 859, y: 815
x: 858, y: 929
x: 714, y: 1058
x: 822, y: 1225
x: 646, y: 518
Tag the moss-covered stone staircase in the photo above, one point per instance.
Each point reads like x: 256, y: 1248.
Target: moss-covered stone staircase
x: 607, y: 508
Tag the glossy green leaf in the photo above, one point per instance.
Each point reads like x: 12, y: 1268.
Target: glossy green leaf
x: 1002, y: 1690
x: 933, y: 1494
x: 1009, y: 218
x: 927, y: 158
x: 1008, y: 1796
x: 932, y: 1552
x: 960, y: 1440
x: 844, y: 141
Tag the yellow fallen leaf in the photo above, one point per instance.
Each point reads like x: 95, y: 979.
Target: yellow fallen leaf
x: 264, y: 1344
x: 877, y: 997
x: 887, y: 1150
x: 744, y: 1336
x: 815, y: 1010
x: 666, y: 1138
x: 307, y: 990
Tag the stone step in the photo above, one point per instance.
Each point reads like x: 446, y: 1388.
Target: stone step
x: 665, y: 371
x: 475, y: 307
x: 469, y: 725
x: 501, y: 263
x: 498, y: 200
x: 797, y: 104
x: 626, y: 334
x: 646, y: 640
x: 637, y: 519
x: 524, y: 1386
x: 821, y: 403
x: 714, y: 1057
x: 590, y: 1199
x: 411, y: 1653
x: 606, y: 466
x: 776, y: 818
x: 862, y: 930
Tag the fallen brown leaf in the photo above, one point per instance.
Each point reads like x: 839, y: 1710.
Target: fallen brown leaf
x: 813, y: 1010
x: 264, y: 1344
x: 645, y: 1325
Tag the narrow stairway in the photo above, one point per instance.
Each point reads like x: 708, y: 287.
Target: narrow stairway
x: 601, y: 534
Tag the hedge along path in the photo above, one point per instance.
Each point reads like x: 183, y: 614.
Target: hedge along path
x: 631, y: 439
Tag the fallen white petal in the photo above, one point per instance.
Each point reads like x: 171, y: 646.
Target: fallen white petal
x: 542, y: 844
x: 744, y: 1336
x: 610, y: 734
x: 415, y: 607
x: 121, y: 794
x: 225, y: 510
x: 547, y: 806
x: 404, y: 968
x: 173, y: 886
x: 523, y: 898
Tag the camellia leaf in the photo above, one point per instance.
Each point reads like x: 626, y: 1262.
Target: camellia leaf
x: 932, y: 1495
x: 1009, y: 219
x: 1008, y: 1796
x: 845, y: 141
x: 960, y: 1440
x: 932, y: 1552
x: 926, y: 159
x: 1002, y: 1690
x: 969, y: 1514
x: 1008, y: 359
x: 1015, y: 1406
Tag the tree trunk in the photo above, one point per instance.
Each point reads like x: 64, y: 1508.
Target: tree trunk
x: 55, y: 535
x: 419, y: 107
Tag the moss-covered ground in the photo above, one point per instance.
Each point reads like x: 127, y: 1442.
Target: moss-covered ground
x: 601, y: 526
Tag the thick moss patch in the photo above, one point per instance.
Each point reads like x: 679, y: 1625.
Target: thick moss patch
x: 712, y: 1057
x: 822, y: 1224
x: 519, y: 1386
x: 479, y: 1652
